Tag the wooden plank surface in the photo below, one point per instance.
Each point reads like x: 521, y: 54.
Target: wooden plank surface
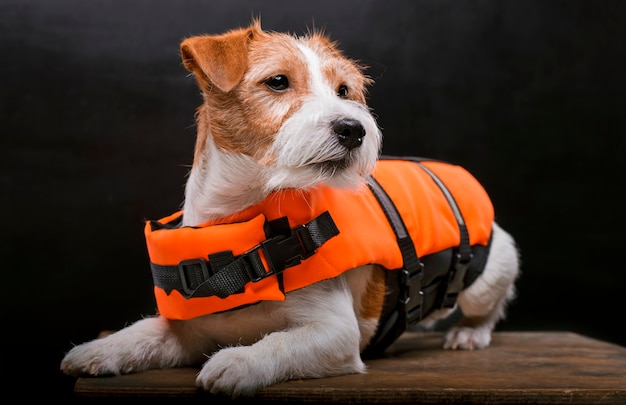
x: 519, y: 367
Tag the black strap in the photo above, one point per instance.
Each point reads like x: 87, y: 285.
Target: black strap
x: 421, y: 285
x: 223, y: 274
x: 406, y: 302
x: 463, y: 254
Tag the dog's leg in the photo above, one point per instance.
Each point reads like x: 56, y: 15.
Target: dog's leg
x: 153, y: 342
x: 157, y: 342
x: 321, y: 339
x: 484, y: 302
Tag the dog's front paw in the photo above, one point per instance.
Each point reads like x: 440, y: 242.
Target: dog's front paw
x: 237, y: 372
x: 467, y: 338
x: 92, y: 358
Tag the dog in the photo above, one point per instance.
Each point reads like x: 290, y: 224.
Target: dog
x: 283, y: 116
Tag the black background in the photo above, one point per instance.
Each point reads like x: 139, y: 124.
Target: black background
x: 97, y: 133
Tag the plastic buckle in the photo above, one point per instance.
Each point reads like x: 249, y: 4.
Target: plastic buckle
x: 455, y: 280
x: 412, y: 297
x: 183, y: 273
x: 280, y: 252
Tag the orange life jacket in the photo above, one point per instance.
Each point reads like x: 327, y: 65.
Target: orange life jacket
x: 412, y: 209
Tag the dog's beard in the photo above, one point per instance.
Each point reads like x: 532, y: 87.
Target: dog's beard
x: 339, y: 167
x: 334, y: 167
x: 308, y: 177
x: 331, y: 167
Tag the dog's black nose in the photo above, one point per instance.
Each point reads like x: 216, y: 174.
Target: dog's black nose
x: 349, y: 132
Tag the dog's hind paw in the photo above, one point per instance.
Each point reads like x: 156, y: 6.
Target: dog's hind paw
x: 467, y: 338
x: 236, y: 372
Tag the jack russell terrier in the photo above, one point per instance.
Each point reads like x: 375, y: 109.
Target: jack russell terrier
x: 300, y: 251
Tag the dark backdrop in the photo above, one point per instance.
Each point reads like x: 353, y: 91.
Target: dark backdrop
x: 97, y: 132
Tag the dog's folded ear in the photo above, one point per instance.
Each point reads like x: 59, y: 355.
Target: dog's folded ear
x: 220, y: 59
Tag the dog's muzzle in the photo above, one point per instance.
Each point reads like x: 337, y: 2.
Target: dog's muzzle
x: 349, y: 132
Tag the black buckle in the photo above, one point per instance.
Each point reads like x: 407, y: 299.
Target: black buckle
x: 412, y: 296
x: 184, y: 279
x: 280, y: 252
x: 455, y: 280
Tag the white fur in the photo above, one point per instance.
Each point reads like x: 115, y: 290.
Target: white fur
x: 484, y: 301
x: 316, y: 332
x: 213, y: 189
x: 306, y: 138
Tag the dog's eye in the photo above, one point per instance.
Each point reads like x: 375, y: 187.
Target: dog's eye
x: 342, y: 91
x: 277, y: 83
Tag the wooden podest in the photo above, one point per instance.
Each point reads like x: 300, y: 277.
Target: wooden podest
x: 518, y: 368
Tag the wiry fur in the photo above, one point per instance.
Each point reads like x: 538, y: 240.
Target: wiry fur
x: 253, y: 140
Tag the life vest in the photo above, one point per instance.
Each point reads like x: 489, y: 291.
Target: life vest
x: 413, y: 212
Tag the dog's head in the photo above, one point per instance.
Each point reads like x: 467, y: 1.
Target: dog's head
x: 293, y: 108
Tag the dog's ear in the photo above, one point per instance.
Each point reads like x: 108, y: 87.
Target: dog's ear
x: 222, y: 59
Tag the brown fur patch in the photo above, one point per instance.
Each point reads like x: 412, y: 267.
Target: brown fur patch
x: 373, y: 299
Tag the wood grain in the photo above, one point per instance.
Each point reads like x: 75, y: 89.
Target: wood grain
x: 519, y: 367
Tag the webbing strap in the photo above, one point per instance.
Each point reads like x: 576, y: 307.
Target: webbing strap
x: 463, y: 254
x: 223, y: 274
x: 407, y: 308
x: 410, y: 300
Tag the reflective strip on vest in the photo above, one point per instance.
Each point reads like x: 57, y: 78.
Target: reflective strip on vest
x: 365, y: 235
